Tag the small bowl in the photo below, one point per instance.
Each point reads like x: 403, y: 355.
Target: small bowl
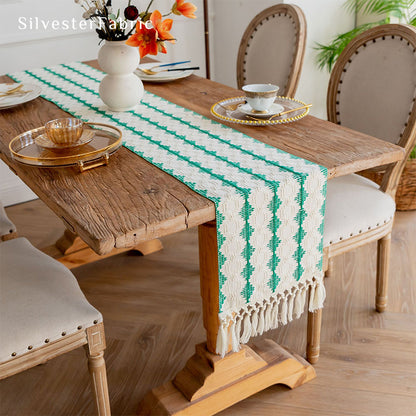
x: 260, y: 97
x: 64, y: 131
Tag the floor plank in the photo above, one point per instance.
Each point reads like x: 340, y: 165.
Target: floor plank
x: 152, y: 312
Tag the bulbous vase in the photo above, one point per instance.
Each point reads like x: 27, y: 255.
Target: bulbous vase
x: 120, y: 89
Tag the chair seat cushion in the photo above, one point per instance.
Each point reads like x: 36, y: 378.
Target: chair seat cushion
x: 354, y: 205
x: 40, y: 300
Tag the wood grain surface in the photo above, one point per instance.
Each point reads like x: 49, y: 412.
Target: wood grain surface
x: 153, y: 319
x: 131, y: 201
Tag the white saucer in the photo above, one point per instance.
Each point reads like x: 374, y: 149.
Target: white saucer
x: 274, y: 109
x: 44, y: 141
x: 164, y: 76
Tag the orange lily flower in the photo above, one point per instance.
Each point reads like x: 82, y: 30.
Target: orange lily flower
x: 145, y: 39
x: 162, y: 27
x: 161, y: 47
x: 187, y: 9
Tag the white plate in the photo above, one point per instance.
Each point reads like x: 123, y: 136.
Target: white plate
x: 165, y: 76
x: 33, y: 91
x: 274, y: 109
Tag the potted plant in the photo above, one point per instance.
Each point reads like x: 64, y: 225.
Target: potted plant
x: 382, y: 11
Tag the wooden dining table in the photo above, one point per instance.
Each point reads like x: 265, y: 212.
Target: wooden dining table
x: 131, y: 203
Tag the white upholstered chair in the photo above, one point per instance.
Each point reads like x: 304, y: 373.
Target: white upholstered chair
x: 43, y: 314
x: 372, y: 89
x: 272, y: 49
x: 7, y: 228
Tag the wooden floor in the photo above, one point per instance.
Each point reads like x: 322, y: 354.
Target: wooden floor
x: 152, y: 312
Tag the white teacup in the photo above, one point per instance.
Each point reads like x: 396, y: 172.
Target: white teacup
x: 260, y: 97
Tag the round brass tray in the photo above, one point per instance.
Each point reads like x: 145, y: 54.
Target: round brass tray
x: 106, y: 140
x: 227, y: 110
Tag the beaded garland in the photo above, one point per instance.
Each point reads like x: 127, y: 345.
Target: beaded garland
x: 269, y: 204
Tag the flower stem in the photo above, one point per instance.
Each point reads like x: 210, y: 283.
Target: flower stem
x: 148, y: 7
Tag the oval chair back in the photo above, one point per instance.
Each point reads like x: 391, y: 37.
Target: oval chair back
x: 272, y: 49
x: 372, y: 89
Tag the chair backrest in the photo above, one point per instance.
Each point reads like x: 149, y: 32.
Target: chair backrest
x: 372, y: 89
x: 272, y: 49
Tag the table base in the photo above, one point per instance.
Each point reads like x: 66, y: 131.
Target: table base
x: 72, y: 252
x: 209, y: 383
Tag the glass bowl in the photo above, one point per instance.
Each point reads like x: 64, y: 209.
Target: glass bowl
x: 64, y: 131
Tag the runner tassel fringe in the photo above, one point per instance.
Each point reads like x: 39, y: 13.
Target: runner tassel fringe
x: 278, y: 311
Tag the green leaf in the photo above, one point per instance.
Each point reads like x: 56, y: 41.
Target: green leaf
x: 412, y: 20
x: 398, y: 8
x: 413, y: 154
x: 328, y: 54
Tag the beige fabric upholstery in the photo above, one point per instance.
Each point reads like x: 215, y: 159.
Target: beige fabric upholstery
x: 39, y: 300
x: 270, y: 52
x: 354, y: 205
x: 377, y: 88
x: 6, y: 226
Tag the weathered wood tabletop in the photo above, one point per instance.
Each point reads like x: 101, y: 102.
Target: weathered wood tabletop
x: 131, y: 201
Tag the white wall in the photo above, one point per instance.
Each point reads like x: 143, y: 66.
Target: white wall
x: 25, y: 44
x: 325, y: 19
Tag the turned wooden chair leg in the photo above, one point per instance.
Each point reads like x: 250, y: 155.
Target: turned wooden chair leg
x: 330, y: 270
x: 383, y: 261
x: 314, y: 336
x: 96, y: 366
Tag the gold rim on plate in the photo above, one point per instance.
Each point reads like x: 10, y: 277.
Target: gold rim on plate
x: 219, y: 110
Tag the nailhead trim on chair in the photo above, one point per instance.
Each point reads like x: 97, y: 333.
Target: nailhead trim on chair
x: 345, y: 70
x: 47, y: 340
x: 359, y: 231
x: 255, y: 30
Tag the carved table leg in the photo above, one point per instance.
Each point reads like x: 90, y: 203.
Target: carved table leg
x: 71, y: 251
x: 209, y: 383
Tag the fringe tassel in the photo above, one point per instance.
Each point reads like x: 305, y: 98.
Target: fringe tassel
x: 254, y: 323
x: 238, y: 328
x: 275, y: 315
x: 268, y: 316
x: 311, y: 298
x: 280, y: 310
x: 283, y: 312
x: 317, y: 298
x: 235, y: 337
x: 290, y: 307
x: 246, y: 330
x: 222, y: 341
x: 299, y: 303
x: 261, y: 326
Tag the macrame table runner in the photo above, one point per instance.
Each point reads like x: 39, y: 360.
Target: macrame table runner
x: 269, y: 204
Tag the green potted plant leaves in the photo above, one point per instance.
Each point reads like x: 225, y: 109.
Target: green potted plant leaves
x: 382, y: 10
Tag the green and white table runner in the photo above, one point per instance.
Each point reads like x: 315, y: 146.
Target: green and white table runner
x: 269, y: 204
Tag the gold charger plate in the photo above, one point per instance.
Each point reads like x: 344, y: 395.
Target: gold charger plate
x: 227, y: 110
x: 106, y: 141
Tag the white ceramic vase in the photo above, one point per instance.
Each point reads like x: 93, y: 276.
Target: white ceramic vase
x: 120, y: 89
